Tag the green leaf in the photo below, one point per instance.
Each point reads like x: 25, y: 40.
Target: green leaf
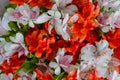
x: 11, y: 6
x: 93, y: 1
x: 60, y: 76
x: 45, y: 35
x: 43, y: 9
x: 29, y: 65
x: 102, y: 9
x: 13, y: 26
x: 100, y: 32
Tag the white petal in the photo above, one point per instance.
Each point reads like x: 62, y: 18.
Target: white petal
x: 68, y: 1
x: 42, y: 18
x: 58, y: 26
x: 74, y: 18
x: 57, y: 70
x: 53, y: 64
x: 65, y: 20
x: 5, y: 21
x: 31, y: 24
x: 103, y: 44
x: 50, y: 25
x: 51, y: 12
x: 70, y: 9
x: 87, y: 52
x: 54, y: 7
x: 2, y: 30
x: 19, y: 38
x: 57, y: 14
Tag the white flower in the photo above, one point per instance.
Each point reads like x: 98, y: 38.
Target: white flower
x: 96, y: 57
x: 64, y: 8
x: 87, y: 53
x: 114, y: 20
x: 55, y: 21
x: 101, y: 63
x: 22, y: 75
x: 19, y: 39
x: 62, y: 61
x: 22, y: 14
x: 7, y: 49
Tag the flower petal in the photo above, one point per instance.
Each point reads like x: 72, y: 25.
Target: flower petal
x: 42, y: 18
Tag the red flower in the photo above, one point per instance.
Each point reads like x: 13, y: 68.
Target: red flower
x: 13, y: 65
x: 41, y: 76
x: 113, y: 38
x: 117, y: 53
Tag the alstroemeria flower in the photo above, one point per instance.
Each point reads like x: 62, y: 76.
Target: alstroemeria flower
x: 6, y: 77
x: 19, y: 39
x: 7, y: 49
x: 114, y: 19
x: 24, y: 76
x: 55, y: 21
x: 21, y: 14
x: 62, y: 61
x: 65, y: 8
x: 109, y: 4
x: 96, y: 57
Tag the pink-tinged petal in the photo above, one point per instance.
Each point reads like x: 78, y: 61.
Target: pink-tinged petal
x: 60, y: 54
x: 66, y: 60
x: 35, y: 12
x: 25, y: 10
x: 42, y: 18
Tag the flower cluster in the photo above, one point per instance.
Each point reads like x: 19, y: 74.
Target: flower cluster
x: 60, y: 40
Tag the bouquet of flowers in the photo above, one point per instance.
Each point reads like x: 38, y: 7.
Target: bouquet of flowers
x: 60, y: 40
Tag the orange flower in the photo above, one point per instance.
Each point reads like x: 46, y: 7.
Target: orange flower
x: 45, y: 3
x: 113, y: 38
x: 86, y: 21
x: 38, y: 42
x: 41, y: 76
